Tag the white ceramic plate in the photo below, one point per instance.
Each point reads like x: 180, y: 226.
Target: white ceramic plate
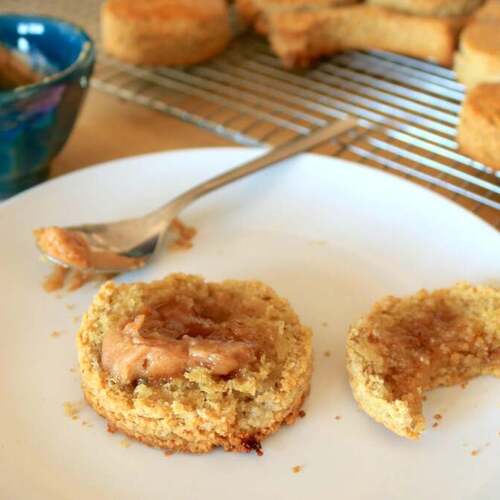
x: 332, y: 237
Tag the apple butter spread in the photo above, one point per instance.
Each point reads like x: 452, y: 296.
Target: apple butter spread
x: 184, y: 233
x: 66, y: 246
x: 161, y: 343
x: 72, y: 249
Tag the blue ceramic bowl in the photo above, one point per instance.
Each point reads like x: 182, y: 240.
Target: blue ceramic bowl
x: 36, y: 120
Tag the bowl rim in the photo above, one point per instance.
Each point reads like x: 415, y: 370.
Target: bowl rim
x: 87, y: 53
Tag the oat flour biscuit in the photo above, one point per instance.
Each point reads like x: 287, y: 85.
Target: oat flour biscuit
x: 431, y: 7
x: 299, y: 38
x: 186, y: 365
x: 478, y: 60
x: 165, y: 32
x: 406, y: 346
x: 479, y: 127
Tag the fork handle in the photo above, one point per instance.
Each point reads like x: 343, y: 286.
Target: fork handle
x: 270, y: 158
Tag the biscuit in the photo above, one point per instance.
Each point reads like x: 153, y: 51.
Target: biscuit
x: 479, y: 126
x: 255, y: 12
x: 430, y: 7
x: 301, y: 37
x: 478, y: 59
x: 490, y: 11
x: 407, y: 346
x: 247, y: 10
x: 197, y: 409
x: 165, y: 32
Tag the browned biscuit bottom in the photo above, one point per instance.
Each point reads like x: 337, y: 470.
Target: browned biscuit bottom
x: 244, y: 443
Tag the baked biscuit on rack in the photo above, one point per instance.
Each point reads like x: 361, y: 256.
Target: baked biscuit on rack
x: 479, y: 127
x: 490, y: 11
x: 430, y: 7
x: 165, y: 32
x: 255, y: 12
x: 299, y: 38
x: 478, y: 58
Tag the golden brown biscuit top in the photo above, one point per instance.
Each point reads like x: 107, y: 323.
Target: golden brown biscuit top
x: 152, y: 10
x: 431, y: 7
x: 483, y: 37
x: 300, y: 3
x: 485, y: 100
x: 490, y: 11
x: 434, y: 3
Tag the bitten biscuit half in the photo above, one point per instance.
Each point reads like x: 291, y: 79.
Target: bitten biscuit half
x: 165, y: 32
x: 186, y: 365
x: 406, y: 346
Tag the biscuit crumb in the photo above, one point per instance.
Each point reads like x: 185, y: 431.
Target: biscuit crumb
x: 61, y: 276
x: 297, y: 468
x: 168, y: 453
x: 72, y: 409
x: 111, y: 428
x: 338, y: 417
x: 302, y: 413
x: 437, y: 417
x: 77, y: 319
x: 73, y: 370
x: 55, y: 334
x: 327, y: 354
x: 325, y: 324
x: 185, y: 235
x: 70, y: 306
x: 125, y: 443
x: 474, y: 453
x: 464, y: 385
x: 86, y: 424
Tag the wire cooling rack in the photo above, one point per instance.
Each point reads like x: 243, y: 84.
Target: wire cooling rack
x: 408, y: 108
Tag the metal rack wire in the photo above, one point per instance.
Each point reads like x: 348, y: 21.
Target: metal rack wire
x: 408, y: 108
